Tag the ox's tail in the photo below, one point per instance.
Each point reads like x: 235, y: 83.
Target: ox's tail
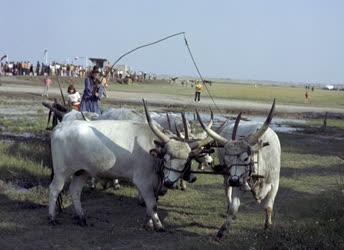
x: 59, y: 201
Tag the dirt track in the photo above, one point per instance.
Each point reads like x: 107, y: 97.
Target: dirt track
x: 185, y: 102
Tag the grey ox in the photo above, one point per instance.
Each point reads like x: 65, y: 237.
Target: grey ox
x: 252, y: 157
x: 111, y: 149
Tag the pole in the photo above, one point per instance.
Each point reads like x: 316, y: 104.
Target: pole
x: 46, y: 56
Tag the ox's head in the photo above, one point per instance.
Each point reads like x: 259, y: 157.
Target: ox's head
x: 175, y: 152
x: 204, y: 156
x: 239, y: 153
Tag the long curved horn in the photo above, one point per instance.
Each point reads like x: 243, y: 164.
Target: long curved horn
x: 178, y: 132
x: 218, y: 138
x: 168, y: 122
x: 84, y: 117
x: 211, y: 119
x: 155, y: 130
x: 198, y: 144
x: 253, y: 139
x: 186, y: 130
x: 236, y: 124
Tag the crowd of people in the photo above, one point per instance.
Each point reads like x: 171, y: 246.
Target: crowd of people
x: 27, y: 68
x: 90, y: 97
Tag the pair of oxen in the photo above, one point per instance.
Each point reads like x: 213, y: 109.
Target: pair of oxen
x: 154, y: 159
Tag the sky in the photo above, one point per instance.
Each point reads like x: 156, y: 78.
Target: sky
x: 294, y: 40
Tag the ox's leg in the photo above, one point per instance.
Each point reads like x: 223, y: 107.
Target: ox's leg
x: 182, y: 184
x: 116, y: 184
x: 269, y: 203
x: 151, y: 207
x: 75, y: 189
x: 93, y: 182
x: 55, y: 189
x: 140, y: 200
x: 233, y: 196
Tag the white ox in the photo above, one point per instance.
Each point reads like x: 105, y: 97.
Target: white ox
x: 168, y: 123
x: 171, y: 122
x: 117, y: 148
x: 252, y: 156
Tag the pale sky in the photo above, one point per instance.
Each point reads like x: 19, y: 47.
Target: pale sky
x: 291, y: 40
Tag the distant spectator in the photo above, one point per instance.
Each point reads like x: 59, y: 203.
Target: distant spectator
x: 47, y: 83
x: 198, y: 90
x: 307, y: 97
x: 38, y: 67
x: 31, y: 70
x: 73, y: 98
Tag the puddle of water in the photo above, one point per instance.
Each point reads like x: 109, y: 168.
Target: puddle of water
x: 278, y: 124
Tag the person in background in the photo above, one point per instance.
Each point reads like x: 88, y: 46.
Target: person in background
x: 104, y: 82
x: 73, y: 98
x: 198, y: 88
x: 47, y: 82
x: 38, y: 69
x: 90, y: 101
x: 307, y: 97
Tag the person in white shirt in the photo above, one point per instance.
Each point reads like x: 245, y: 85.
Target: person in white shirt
x: 73, y: 98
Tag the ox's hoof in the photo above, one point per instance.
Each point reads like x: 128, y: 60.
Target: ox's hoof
x: 160, y: 230
x: 149, y: 226
x: 141, y: 203
x: 82, y: 221
x: 53, y: 221
x: 219, y: 235
x: 267, y: 226
x: 221, y: 232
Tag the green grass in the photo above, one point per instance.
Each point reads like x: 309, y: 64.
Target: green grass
x: 25, y: 164
x: 262, y: 93
x: 20, y: 125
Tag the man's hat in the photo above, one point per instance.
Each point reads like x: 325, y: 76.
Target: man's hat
x: 95, y: 69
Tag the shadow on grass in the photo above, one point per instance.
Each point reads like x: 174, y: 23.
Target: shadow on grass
x: 305, y: 144
x: 305, y: 222
x: 114, y: 221
x: 314, y: 170
x: 23, y: 177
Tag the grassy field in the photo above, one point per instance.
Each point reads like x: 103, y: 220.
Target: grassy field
x: 228, y: 90
x: 261, y: 93
x: 309, y: 209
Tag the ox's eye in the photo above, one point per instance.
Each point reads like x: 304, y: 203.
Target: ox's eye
x: 167, y: 157
x: 244, y: 156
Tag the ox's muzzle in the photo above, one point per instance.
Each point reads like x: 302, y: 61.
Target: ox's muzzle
x: 168, y: 183
x: 234, y: 181
x: 185, y: 174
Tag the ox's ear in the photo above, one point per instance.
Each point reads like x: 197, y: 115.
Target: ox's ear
x: 257, y: 176
x: 159, y: 144
x: 154, y: 152
x: 255, y: 148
